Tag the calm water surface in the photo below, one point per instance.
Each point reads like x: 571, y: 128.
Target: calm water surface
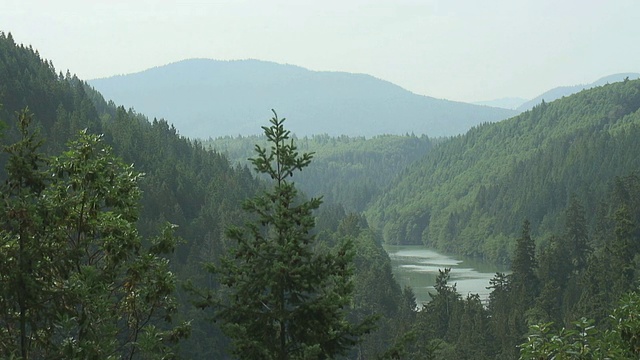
x: 417, y: 266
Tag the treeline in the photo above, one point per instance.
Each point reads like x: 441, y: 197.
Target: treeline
x: 196, y: 190
x: 571, y: 299
x: 184, y: 184
x: 467, y: 195
x: 351, y: 171
x: 576, y: 255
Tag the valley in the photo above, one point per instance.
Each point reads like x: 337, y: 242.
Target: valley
x: 137, y: 234
x: 418, y: 266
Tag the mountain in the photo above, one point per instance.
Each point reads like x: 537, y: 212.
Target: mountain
x: 208, y: 98
x: 557, y: 93
x: 470, y: 194
x: 511, y: 103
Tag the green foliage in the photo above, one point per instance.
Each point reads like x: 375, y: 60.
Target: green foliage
x: 626, y: 322
x: 282, y: 298
x: 585, y: 341
x: 471, y: 192
x: 524, y: 280
x: 86, y: 286
x: 25, y: 260
x: 576, y: 237
x: 350, y: 171
x: 578, y: 343
x: 71, y: 233
x: 184, y: 184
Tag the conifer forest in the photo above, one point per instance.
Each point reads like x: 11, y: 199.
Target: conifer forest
x: 120, y: 238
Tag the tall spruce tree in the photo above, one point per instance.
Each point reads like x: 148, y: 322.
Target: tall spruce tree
x: 284, y: 299
x: 524, y: 280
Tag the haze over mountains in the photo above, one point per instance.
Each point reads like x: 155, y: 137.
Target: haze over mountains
x: 506, y: 103
x: 521, y: 104
x: 208, y: 98
x: 558, y: 92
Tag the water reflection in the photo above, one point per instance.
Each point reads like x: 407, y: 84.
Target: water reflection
x: 418, y: 267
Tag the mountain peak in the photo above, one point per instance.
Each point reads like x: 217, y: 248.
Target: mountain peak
x: 209, y: 98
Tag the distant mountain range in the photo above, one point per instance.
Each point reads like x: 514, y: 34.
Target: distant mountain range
x: 209, y: 98
x: 520, y: 104
x: 505, y: 103
x: 561, y: 91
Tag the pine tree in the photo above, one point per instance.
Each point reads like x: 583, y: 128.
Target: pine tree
x: 284, y: 299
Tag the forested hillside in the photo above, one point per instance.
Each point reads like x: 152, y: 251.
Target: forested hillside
x: 208, y: 98
x: 562, y: 91
x: 346, y: 170
x: 183, y: 183
x: 195, y: 189
x: 468, y: 195
x: 90, y: 266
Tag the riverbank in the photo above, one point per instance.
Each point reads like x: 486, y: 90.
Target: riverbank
x: 417, y: 266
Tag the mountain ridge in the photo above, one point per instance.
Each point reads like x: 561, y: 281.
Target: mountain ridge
x: 210, y: 98
x: 560, y: 91
x: 511, y: 103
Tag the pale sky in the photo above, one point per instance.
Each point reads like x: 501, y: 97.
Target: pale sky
x: 465, y: 50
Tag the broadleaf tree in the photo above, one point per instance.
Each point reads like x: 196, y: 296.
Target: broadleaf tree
x: 283, y: 297
x: 77, y: 280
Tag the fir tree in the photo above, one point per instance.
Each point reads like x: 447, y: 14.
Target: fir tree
x: 284, y: 299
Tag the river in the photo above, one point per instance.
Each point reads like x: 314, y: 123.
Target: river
x: 417, y: 266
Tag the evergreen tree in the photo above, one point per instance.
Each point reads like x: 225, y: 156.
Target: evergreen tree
x: 500, y: 308
x: 25, y: 258
x: 285, y: 299
x: 524, y: 279
x: 475, y: 338
x: 513, y: 295
x: 445, y: 306
x: 623, y: 250
x: 576, y: 236
x: 554, y: 272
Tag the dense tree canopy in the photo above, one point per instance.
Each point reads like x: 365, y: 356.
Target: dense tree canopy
x: 468, y: 194
x: 77, y: 279
x: 351, y: 171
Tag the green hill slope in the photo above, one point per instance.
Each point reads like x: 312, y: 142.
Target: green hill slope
x: 345, y: 170
x: 470, y: 194
x: 184, y: 183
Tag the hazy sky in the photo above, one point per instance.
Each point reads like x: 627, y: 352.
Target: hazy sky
x: 465, y: 50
